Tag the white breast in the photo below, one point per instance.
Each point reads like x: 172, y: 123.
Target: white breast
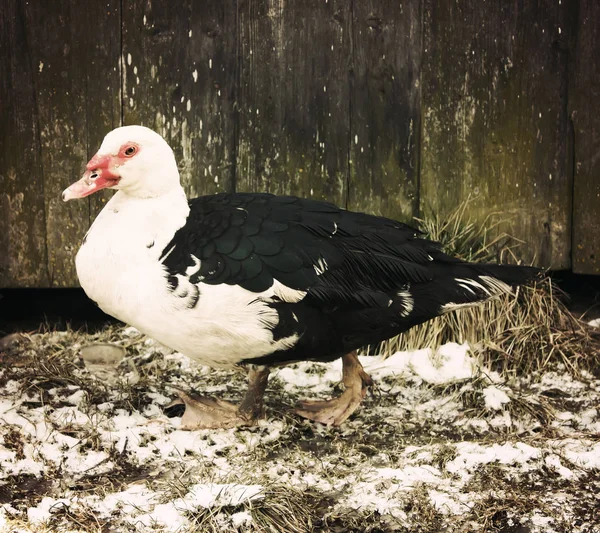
x: 118, y: 268
x: 120, y: 253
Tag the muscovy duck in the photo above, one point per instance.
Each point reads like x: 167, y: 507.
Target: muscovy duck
x: 259, y: 280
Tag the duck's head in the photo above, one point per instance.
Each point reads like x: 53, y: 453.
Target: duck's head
x: 133, y: 159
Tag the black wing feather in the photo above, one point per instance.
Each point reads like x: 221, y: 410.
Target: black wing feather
x: 344, y: 260
x: 252, y: 239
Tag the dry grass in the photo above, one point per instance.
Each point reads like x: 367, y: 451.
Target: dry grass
x: 459, y: 236
x: 515, y: 333
x: 522, y: 404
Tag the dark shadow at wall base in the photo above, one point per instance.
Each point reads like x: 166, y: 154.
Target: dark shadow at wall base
x: 32, y: 309
x: 27, y: 310
x: 583, y: 291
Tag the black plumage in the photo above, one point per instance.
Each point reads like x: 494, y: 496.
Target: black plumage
x: 366, y: 278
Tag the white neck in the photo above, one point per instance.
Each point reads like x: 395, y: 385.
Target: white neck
x: 174, y: 193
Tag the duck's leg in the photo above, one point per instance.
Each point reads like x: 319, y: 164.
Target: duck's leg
x: 335, y: 411
x: 204, y: 412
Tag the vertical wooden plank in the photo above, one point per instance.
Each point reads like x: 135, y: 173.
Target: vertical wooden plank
x: 22, y: 214
x: 494, y: 118
x: 103, y: 100
x: 76, y: 82
x: 584, y: 108
x: 385, y: 108
x: 179, y: 61
x: 293, y: 102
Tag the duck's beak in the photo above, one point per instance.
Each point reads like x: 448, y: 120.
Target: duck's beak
x: 99, y: 175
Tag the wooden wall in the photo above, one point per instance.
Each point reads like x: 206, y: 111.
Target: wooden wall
x: 395, y: 108
x: 584, y: 112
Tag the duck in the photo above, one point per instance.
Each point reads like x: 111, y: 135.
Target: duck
x: 257, y: 281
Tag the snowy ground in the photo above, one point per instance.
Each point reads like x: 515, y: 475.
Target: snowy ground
x: 440, y: 445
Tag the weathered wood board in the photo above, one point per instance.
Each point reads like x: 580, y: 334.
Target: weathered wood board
x: 294, y: 97
x: 584, y: 108
x: 179, y: 75
x: 61, y: 86
x: 76, y: 81
x: 385, y: 108
x: 23, y: 257
x: 494, y: 120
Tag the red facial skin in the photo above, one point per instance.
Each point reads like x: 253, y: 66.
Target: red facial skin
x: 101, y: 172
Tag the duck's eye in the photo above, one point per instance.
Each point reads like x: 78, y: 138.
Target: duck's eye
x: 130, y: 151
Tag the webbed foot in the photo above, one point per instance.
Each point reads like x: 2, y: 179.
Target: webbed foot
x: 205, y: 412
x: 335, y: 411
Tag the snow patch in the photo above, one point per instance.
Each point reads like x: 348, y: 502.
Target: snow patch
x: 494, y: 398
x: 473, y: 455
x: 43, y: 511
x: 449, y: 364
x: 583, y: 454
x: 171, y: 515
